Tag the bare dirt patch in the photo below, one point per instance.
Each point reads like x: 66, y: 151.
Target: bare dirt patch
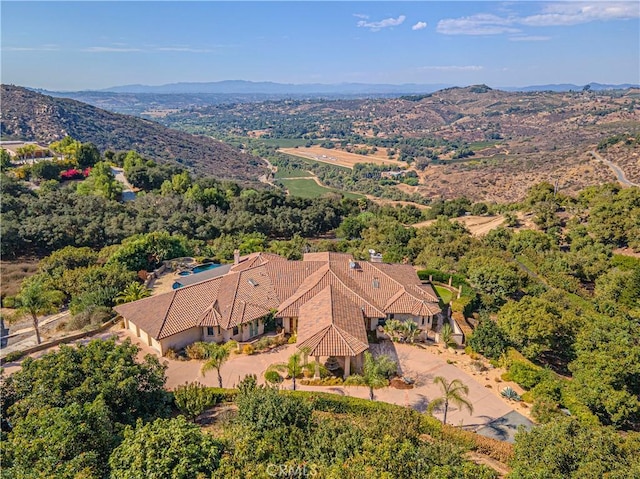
x: 478, y: 225
x: 338, y: 157
x: 13, y: 272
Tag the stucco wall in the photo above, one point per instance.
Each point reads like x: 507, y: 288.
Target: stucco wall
x: 180, y: 340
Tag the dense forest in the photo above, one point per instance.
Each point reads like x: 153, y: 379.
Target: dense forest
x: 557, y: 306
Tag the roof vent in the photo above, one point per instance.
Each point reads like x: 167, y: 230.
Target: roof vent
x: 252, y: 282
x: 376, y: 283
x: 353, y: 265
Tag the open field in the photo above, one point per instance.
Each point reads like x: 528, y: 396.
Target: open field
x: 339, y: 158
x: 284, y: 172
x: 309, y: 188
x: 284, y: 142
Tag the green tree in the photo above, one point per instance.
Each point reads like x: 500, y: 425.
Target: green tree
x: 165, y: 448
x: 87, y: 155
x: 531, y: 324
x: 565, y: 449
x: 65, y: 442
x: 193, y: 399
x: 373, y: 373
x: 5, y: 160
x: 35, y: 299
x: 488, y: 339
x: 130, y: 389
x: 494, y: 277
x: 452, y: 392
x: 606, y: 371
x: 101, y: 182
x: 294, y: 367
x: 133, y: 292
x: 217, y: 355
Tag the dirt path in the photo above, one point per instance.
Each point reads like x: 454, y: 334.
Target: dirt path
x: 265, y: 178
x: 622, y: 179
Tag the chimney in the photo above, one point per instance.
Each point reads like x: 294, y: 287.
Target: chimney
x: 236, y: 256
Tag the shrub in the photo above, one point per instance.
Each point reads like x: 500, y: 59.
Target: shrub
x: 9, y: 302
x: 527, y: 376
x: 544, y: 411
x: 14, y: 356
x: 248, y: 350
x: 193, y: 398
x: 273, y: 377
x: 354, y: 380
x: 171, y: 354
x: 509, y: 393
x: 197, y: 350
x: 293, y: 339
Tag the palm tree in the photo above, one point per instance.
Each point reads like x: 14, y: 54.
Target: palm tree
x: 217, y: 355
x: 392, y: 328
x: 372, y: 373
x: 410, y: 330
x: 133, y: 292
x: 446, y: 335
x: 453, y: 392
x: 36, y: 299
x: 294, y: 368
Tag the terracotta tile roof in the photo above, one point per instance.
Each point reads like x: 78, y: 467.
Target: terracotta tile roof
x: 263, y: 281
x: 256, y: 259
x: 327, y: 256
x: 330, y: 324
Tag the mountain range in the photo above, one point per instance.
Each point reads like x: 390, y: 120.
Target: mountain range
x: 31, y: 116
x: 242, y: 87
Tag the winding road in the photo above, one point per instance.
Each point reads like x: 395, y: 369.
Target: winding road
x: 615, y: 168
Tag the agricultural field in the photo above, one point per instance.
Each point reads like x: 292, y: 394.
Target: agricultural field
x: 285, y: 173
x: 339, y: 158
x: 308, y: 188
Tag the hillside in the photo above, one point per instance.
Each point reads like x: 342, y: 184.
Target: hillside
x: 27, y: 115
x: 518, y: 138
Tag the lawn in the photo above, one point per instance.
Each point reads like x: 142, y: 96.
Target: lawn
x: 283, y: 142
x: 444, y: 294
x: 284, y: 172
x: 310, y: 189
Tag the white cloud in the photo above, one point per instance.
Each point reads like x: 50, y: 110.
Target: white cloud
x: 574, y: 13
x: 529, y: 38
x: 453, y: 68
x: 479, y: 24
x: 110, y: 50
x: 387, y: 22
x: 419, y: 26
x: 551, y: 15
x: 184, y: 49
x: 42, y: 48
x: 361, y: 15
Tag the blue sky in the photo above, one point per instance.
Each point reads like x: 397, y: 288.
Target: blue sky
x: 87, y: 45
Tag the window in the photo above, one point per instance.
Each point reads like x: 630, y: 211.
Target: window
x: 210, y: 331
x: 235, y: 330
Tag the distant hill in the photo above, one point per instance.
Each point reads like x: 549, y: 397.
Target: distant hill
x: 561, y: 87
x: 249, y: 87
x: 28, y: 115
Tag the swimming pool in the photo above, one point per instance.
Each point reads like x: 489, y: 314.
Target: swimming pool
x: 194, y: 271
x: 199, y: 269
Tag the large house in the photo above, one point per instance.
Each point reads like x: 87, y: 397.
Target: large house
x: 329, y: 300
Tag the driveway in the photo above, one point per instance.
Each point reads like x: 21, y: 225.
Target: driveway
x: 422, y: 363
